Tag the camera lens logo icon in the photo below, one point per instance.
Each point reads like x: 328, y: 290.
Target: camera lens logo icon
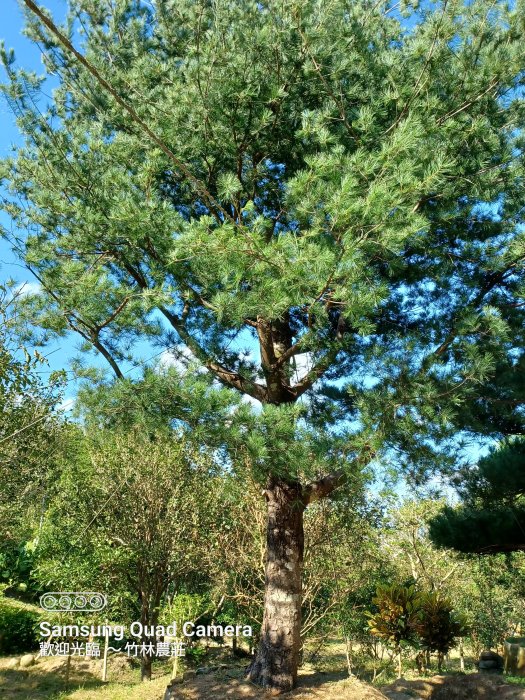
x: 70, y: 601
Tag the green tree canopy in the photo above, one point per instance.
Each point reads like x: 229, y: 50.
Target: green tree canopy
x: 32, y: 435
x: 130, y: 518
x: 491, y: 518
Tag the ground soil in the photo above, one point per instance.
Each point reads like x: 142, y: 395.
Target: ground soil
x: 456, y: 687
x: 45, y: 681
x: 327, y: 687
x: 323, y: 686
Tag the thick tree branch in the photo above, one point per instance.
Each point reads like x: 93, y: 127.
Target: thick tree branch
x: 108, y: 357
x: 293, y: 350
x: 225, y: 375
x: 314, y: 374
x: 91, y: 332
x: 114, y: 315
x: 322, y: 488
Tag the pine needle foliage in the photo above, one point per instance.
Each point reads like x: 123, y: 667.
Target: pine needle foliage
x: 491, y: 518
x: 314, y: 199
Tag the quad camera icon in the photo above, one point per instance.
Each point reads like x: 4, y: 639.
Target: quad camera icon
x: 71, y: 601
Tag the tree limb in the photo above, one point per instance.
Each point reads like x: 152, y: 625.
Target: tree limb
x: 225, y: 375
x: 91, y: 334
x: 314, y: 374
x: 323, y: 487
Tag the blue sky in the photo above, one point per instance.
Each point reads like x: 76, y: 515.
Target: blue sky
x: 28, y: 55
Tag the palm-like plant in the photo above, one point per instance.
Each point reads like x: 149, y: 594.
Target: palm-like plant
x: 438, y: 626
x: 398, y: 617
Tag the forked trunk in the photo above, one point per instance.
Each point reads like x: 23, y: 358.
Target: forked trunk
x: 276, y: 662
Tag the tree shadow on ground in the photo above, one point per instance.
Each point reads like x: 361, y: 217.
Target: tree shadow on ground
x: 315, y: 679
x: 40, y: 684
x: 321, y: 686
x: 471, y: 686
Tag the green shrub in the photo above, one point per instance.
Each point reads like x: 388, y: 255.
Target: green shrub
x: 439, y: 626
x: 18, y: 624
x: 195, y: 654
x: 398, y: 614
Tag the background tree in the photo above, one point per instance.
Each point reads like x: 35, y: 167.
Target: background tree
x: 33, y: 443
x: 495, y: 607
x: 321, y: 202
x: 130, y: 518
x: 407, y: 546
x: 491, y: 517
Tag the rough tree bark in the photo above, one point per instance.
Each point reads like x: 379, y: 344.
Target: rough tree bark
x: 276, y: 662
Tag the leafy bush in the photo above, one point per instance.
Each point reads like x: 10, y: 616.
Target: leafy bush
x: 407, y: 617
x: 16, y: 561
x: 398, y: 614
x: 438, y: 626
x: 17, y: 626
x: 195, y: 654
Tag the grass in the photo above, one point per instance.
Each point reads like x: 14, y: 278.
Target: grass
x: 516, y: 680
x: 333, y: 658
x: 118, y: 691
x: 46, y: 680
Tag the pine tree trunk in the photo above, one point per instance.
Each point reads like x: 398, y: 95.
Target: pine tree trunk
x: 275, y: 665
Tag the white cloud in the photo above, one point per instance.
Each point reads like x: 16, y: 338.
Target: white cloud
x: 246, y: 398
x: 301, y: 365
x: 26, y: 288
x: 181, y: 358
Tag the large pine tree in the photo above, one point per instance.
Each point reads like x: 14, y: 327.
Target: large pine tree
x: 333, y: 185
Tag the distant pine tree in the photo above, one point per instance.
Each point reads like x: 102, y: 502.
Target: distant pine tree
x: 492, y: 516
